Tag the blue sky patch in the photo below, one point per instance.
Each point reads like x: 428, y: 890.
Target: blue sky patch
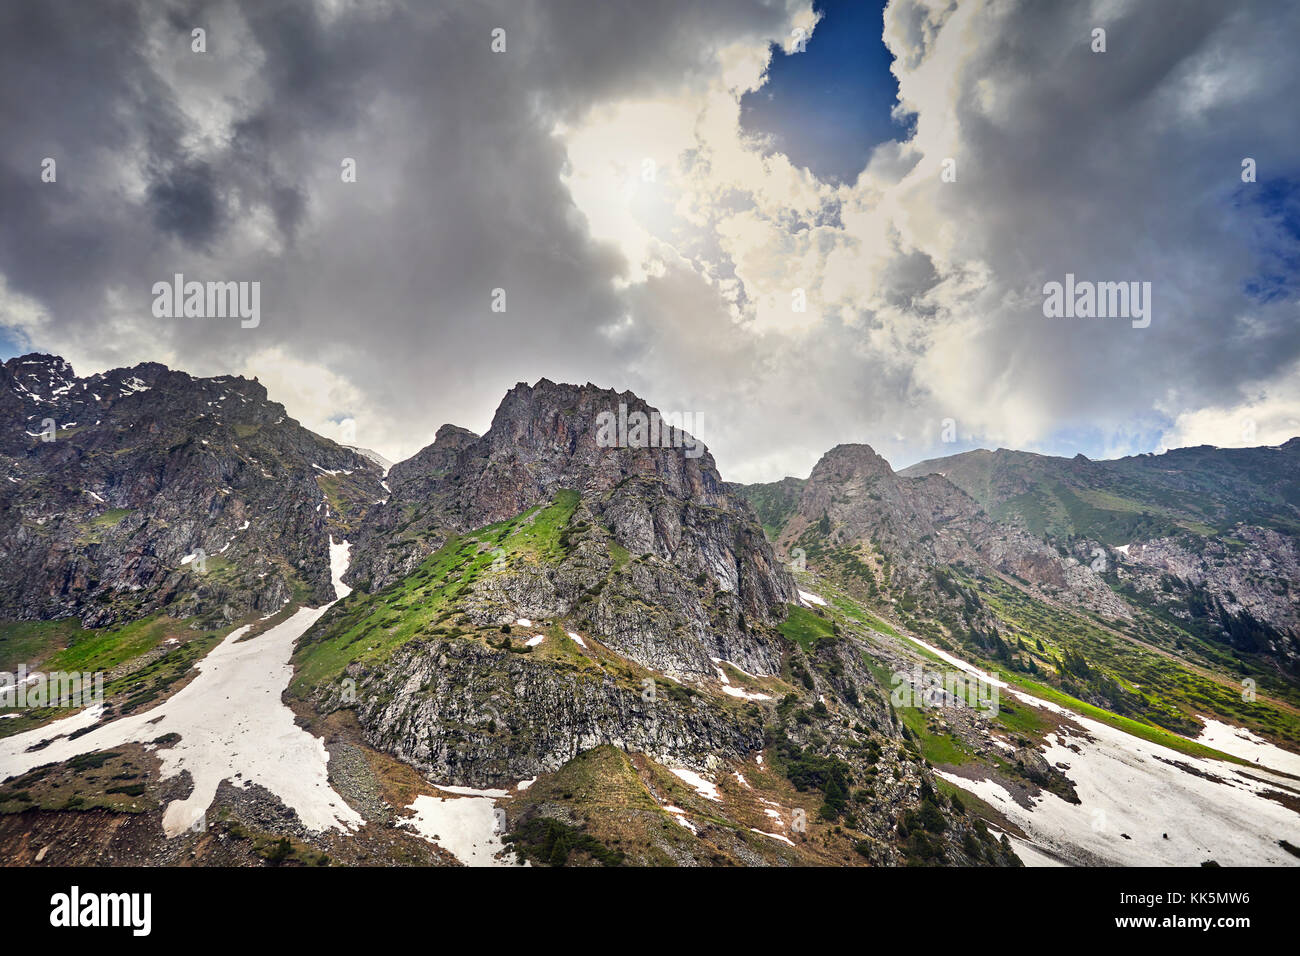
x: 828, y: 107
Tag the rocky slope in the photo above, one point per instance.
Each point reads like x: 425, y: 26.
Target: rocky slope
x: 674, y: 569
x: 1206, y: 536
x: 142, y: 488
x: 854, y: 507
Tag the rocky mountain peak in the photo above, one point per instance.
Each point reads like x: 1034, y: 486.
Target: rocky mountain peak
x: 642, y: 486
x: 120, y: 480
x: 851, y: 459
x: 454, y: 435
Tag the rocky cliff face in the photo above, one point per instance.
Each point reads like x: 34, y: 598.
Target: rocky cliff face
x: 1242, y: 591
x: 474, y: 715
x: 690, y: 575
x: 136, y: 489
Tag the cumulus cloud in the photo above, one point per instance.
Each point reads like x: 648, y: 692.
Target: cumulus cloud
x: 597, y: 171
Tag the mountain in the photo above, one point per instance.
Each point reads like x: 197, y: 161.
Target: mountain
x: 643, y: 521
x: 854, y: 510
x: 568, y: 640
x: 1202, y: 489
x: 954, y: 551
x: 527, y: 598
x: 137, y: 489
x: 1205, y: 536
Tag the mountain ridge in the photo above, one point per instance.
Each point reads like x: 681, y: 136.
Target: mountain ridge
x: 588, y: 610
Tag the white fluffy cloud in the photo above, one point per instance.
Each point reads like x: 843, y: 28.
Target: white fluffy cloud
x: 1119, y: 166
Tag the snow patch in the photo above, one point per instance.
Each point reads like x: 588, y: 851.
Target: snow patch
x: 464, y: 826
x: 679, y: 816
x: 1240, y: 742
x: 494, y: 793
x: 705, y: 788
x: 338, y: 565
x: 774, y: 836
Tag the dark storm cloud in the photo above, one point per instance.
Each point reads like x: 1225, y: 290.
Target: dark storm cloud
x: 184, y: 202
x: 66, y: 71
x: 226, y: 165
x: 388, y: 280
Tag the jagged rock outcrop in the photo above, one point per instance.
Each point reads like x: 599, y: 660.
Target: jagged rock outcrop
x: 696, y: 577
x: 464, y: 713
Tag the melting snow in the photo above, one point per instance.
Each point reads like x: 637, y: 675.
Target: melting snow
x: 732, y: 691
x: 1030, y: 855
x: 705, y: 788
x: 232, y: 725
x: 465, y: 826
x: 338, y: 566
x: 1242, y: 743
x: 471, y: 791
x: 743, y: 694
x: 679, y: 815
x: 809, y: 598
x: 1130, y: 786
x: 774, y: 836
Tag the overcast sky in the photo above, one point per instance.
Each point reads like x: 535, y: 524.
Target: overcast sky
x: 654, y: 185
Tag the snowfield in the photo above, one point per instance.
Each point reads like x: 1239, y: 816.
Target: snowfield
x: 468, y: 825
x: 705, y: 788
x: 1143, y: 804
x: 1242, y: 743
x: 232, y: 726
